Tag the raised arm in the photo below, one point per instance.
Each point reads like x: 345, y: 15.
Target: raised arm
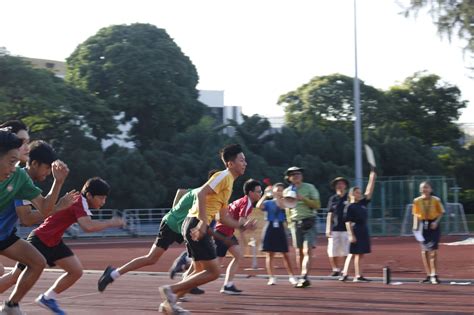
x: 369, y: 191
x: 46, y: 205
x: 260, y: 202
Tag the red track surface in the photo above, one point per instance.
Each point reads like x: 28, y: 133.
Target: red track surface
x: 137, y: 293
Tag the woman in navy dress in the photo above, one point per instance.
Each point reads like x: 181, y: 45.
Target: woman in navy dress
x: 274, y: 234
x: 356, y: 218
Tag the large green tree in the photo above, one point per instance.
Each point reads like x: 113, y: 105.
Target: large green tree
x: 427, y: 107
x: 138, y: 69
x: 50, y: 107
x: 328, y: 101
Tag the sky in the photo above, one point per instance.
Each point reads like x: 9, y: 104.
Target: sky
x: 255, y: 50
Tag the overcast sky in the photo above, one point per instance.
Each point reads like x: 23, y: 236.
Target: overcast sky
x: 254, y: 50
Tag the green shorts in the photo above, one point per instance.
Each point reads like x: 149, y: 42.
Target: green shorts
x: 301, y: 236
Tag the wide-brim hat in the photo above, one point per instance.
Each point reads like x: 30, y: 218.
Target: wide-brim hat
x: 294, y: 169
x: 339, y: 179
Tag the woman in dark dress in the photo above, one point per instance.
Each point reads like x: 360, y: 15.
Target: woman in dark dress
x: 356, y: 218
x: 274, y: 234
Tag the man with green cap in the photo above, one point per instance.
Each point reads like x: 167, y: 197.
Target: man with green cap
x: 303, y: 218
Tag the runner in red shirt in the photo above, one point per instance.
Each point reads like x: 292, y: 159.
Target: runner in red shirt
x: 48, y: 239
x: 239, y: 210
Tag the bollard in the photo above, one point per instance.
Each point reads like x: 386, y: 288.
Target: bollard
x: 386, y: 275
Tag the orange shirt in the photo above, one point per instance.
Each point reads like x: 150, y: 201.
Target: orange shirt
x: 427, y: 209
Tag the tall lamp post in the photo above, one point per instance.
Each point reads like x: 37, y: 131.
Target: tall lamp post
x: 357, y: 123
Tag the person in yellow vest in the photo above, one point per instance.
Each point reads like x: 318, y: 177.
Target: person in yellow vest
x: 427, y: 213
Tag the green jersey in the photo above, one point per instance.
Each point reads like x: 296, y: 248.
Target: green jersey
x: 175, y: 217
x: 302, y: 211
x: 18, y: 186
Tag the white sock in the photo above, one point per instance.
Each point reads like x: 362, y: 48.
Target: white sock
x: 114, y: 274
x: 229, y: 284
x: 336, y: 269
x: 50, y: 294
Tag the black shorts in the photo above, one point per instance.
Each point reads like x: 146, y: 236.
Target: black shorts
x: 204, y: 249
x: 431, y: 236
x: 9, y: 241
x: 166, y: 236
x: 52, y: 254
x: 221, y: 247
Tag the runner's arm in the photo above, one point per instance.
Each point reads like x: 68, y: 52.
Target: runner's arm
x: 88, y: 225
x: 45, y: 205
x: 28, y: 216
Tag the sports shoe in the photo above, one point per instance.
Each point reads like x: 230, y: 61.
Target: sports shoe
x: 271, y: 281
x: 179, y: 264
x: 167, y: 308
x: 196, y: 291
x: 293, y: 280
x: 303, y: 283
x: 335, y: 274
x: 343, y: 278
x: 231, y: 290
x: 105, y: 279
x: 49, y: 304
x: 167, y: 294
x: 361, y: 279
x: 11, y: 310
x: 435, y: 280
x: 426, y: 280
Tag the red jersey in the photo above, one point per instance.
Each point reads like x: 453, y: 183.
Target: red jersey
x: 51, y: 231
x: 240, y: 208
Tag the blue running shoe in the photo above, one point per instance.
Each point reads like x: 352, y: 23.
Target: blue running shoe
x: 50, y: 304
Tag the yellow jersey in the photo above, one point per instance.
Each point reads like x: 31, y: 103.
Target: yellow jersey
x: 221, y: 183
x: 427, y: 209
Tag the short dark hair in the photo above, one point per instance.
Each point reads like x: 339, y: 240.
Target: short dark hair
x: 96, y: 186
x: 14, y: 125
x: 250, y: 185
x: 42, y: 152
x: 230, y: 152
x: 8, y: 141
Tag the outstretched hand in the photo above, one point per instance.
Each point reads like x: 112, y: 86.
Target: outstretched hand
x: 67, y: 200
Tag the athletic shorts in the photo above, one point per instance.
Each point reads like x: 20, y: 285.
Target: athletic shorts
x: 52, y: 254
x: 166, y: 236
x: 9, y: 241
x: 221, y: 247
x: 338, y: 244
x: 204, y: 249
x: 301, y: 236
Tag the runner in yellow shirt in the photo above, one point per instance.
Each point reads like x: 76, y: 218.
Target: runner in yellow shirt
x: 211, y: 203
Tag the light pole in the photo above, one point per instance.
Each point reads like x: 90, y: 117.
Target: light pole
x: 357, y: 123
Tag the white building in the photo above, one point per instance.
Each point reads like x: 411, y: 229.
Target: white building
x: 214, y: 99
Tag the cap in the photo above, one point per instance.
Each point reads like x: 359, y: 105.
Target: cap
x: 339, y: 179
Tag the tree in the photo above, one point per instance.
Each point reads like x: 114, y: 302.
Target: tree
x: 427, y: 108
x: 50, y: 107
x: 139, y: 70
x: 328, y: 101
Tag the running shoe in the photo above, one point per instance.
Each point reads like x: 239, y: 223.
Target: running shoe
x: 271, y: 281
x: 197, y: 291
x: 361, y: 279
x: 231, y: 290
x: 293, y: 280
x: 105, y: 279
x: 303, y: 283
x: 426, y: 280
x: 11, y: 310
x: 49, y: 304
x: 167, y: 294
x: 335, y: 274
x: 435, y: 280
x: 168, y: 308
x: 343, y: 278
x: 179, y: 264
